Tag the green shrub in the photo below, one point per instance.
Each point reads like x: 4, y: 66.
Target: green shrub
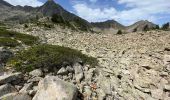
x: 165, y: 26
x: 146, y: 28
x: 50, y: 57
x: 8, y: 42
x: 119, y: 32
x: 157, y: 27
x: 26, y: 39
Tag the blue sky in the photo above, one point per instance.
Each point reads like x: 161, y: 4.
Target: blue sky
x: 123, y: 11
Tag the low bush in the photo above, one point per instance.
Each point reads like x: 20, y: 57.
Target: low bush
x: 8, y: 42
x: 49, y: 57
x: 119, y: 32
x: 24, y: 38
x: 165, y: 26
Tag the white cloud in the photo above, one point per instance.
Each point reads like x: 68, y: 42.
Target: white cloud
x: 95, y: 14
x: 33, y: 3
x: 136, y: 10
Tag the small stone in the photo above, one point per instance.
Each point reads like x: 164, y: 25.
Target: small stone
x: 18, y: 87
x: 62, y: 71
x: 167, y: 87
x: 35, y: 79
x: 36, y: 73
x: 78, y: 72
x: 157, y: 93
x: 26, y: 88
x: 70, y: 69
x: 32, y: 92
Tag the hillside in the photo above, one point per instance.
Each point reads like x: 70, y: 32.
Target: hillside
x: 142, y: 25
x: 134, y: 64
x: 19, y: 14
x: 109, y: 26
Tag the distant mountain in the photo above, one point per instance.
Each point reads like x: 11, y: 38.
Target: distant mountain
x: 3, y: 3
x: 109, y: 26
x: 20, y: 14
x: 141, y: 26
x: 23, y: 14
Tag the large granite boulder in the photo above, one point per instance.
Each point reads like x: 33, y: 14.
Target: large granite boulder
x: 53, y: 88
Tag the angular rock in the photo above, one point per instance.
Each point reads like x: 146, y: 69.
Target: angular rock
x: 62, y: 71
x: 5, y: 55
x: 78, y: 72
x: 10, y: 78
x: 35, y: 79
x: 167, y: 87
x: 26, y: 88
x: 5, y: 89
x: 52, y: 88
x: 15, y: 96
x: 157, y: 94
x: 37, y: 73
x: 69, y: 69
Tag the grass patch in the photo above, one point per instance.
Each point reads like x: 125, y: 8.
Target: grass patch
x: 49, y: 57
x: 24, y: 38
x: 8, y: 42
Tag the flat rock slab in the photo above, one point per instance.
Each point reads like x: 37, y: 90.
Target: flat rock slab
x: 16, y: 96
x: 9, y: 78
x: 53, y: 88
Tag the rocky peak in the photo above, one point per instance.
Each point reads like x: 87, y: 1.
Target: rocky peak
x: 140, y: 26
x: 50, y: 8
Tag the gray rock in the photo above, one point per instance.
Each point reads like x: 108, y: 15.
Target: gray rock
x: 10, y: 78
x: 78, y: 72
x: 35, y: 79
x: 69, y: 69
x: 52, y: 88
x: 157, y: 94
x: 62, y: 71
x: 9, y: 96
x: 167, y: 87
x: 22, y: 96
x: 15, y: 96
x: 37, y: 73
x: 26, y: 88
x: 5, y: 89
x: 5, y: 55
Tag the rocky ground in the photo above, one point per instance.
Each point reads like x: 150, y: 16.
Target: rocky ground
x: 133, y: 66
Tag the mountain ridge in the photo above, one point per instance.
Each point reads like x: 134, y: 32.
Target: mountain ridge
x: 24, y: 13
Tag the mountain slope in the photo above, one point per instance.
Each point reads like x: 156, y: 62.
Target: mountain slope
x: 109, y: 26
x: 50, y: 8
x: 3, y: 3
x: 26, y: 13
x: 141, y: 26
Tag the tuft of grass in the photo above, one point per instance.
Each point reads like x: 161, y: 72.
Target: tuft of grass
x: 24, y: 38
x: 8, y: 42
x: 50, y: 57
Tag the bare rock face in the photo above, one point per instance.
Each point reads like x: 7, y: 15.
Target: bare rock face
x: 52, y: 88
